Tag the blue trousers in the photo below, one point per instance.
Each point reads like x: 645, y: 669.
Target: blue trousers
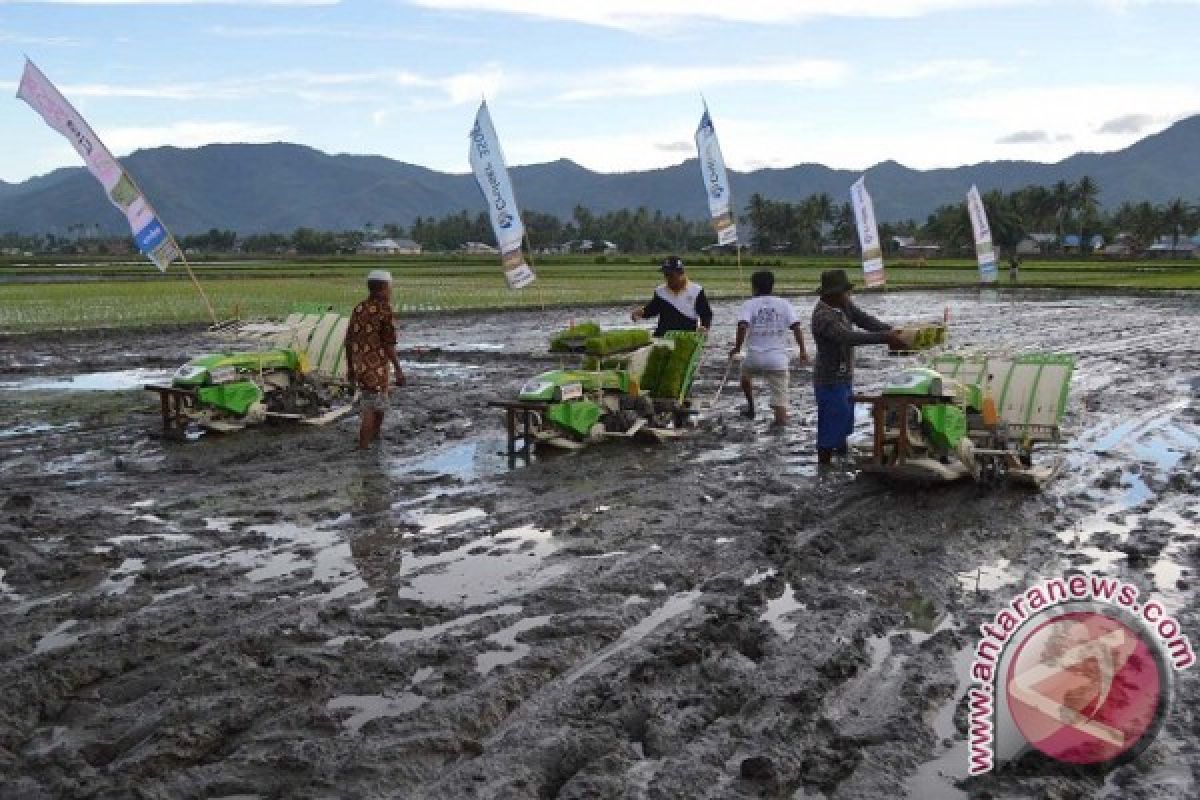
x: 835, y: 415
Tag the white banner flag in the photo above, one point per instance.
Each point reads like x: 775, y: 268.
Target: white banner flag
x: 984, y: 251
x: 151, y: 236
x: 868, y: 233
x: 716, y: 181
x: 487, y: 161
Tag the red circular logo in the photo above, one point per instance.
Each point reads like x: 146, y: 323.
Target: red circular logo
x: 1086, y: 688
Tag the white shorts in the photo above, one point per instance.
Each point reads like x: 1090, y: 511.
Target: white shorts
x: 777, y: 382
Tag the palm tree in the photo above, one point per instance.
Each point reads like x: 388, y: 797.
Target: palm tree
x: 1177, y: 218
x: 1086, y: 192
x: 1004, y: 219
x: 1063, y: 195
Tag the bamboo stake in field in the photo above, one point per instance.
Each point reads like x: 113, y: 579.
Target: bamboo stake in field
x: 203, y: 296
x: 529, y: 257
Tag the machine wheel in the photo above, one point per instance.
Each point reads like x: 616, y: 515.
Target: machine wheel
x: 621, y: 421
x: 301, y: 396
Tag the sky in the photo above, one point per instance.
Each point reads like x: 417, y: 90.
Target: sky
x: 615, y: 85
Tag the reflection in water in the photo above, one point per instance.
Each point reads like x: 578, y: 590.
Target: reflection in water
x: 483, y: 570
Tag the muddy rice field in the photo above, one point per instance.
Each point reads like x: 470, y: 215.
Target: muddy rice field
x: 272, y: 615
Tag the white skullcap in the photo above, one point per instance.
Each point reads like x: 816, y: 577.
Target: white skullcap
x: 381, y: 275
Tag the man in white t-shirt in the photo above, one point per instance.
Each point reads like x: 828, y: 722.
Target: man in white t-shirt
x: 765, y: 325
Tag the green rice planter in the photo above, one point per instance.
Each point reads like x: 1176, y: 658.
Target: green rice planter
x: 613, y: 391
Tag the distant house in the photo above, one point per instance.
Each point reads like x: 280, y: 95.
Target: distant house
x: 589, y: 246
x: 479, y: 248
x: 837, y: 249
x: 1120, y: 247
x: 389, y: 247
x: 1166, y: 247
x: 1071, y: 243
x: 1036, y: 244
x: 909, y: 247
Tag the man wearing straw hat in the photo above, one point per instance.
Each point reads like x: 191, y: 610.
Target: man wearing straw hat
x: 370, y: 353
x: 833, y: 321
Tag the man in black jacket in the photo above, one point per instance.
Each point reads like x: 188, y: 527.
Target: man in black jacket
x: 833, y: 323
x: 679, y: 304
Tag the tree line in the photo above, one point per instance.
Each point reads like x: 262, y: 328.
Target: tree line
x: 806, y: 227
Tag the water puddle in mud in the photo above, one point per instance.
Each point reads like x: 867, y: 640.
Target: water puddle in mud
x: 58, y: 638
x: 462, y: 347
x: 369, y: 707
x: 290, y: 549
x: 988, y: 577
x: 6, y: 591
x: 167, y: 595
x: 728, y: 454
x: 482, y: 570
x: 467, y: 461
x: 511, y: 650
x: 935, y: 778
x: 759, y: 576
x: 162, y: 536
x: 442, y: 369
x: 418, y: 634
x: 123, y: 577
x: 431, y: 522
x: 221, y: 524
x: 36, y: 429
x: 118, y: 381
x: 780, y: 607
x: 675, y: 605
x: 24, y: 606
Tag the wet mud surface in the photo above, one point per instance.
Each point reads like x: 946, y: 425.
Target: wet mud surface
x: 271, y: 615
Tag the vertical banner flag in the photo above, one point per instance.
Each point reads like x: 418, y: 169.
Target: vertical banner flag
x: 487, y: 161
x: 151, y: 236
x: 716, y: 181
x: 868, y: 233
x: 984, y: 251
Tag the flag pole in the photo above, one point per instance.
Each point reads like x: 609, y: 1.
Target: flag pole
x: 529, y: 246
x: 738, y: 249
x: 203, y: 296
x: 182, y: 256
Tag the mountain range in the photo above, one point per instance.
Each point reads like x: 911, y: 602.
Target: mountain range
x: 255, y: 188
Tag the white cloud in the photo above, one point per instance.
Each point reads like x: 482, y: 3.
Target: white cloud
x: 372, y: 33
x: 650, y: 81
x: 658, y: 15
x: 315, y: 87
x: 172, y: 2
x: 950, y: 70
x: 20, y: 39
x: 192, y: 134
x: 642, y: 15
x: 1079, y: 116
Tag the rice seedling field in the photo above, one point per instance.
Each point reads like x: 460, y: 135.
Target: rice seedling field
x: 47, y: 294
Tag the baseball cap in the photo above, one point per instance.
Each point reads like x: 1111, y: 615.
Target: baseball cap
x: 672, y: 264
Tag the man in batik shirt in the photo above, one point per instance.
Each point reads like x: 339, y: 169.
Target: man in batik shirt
x: 371, y: 353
